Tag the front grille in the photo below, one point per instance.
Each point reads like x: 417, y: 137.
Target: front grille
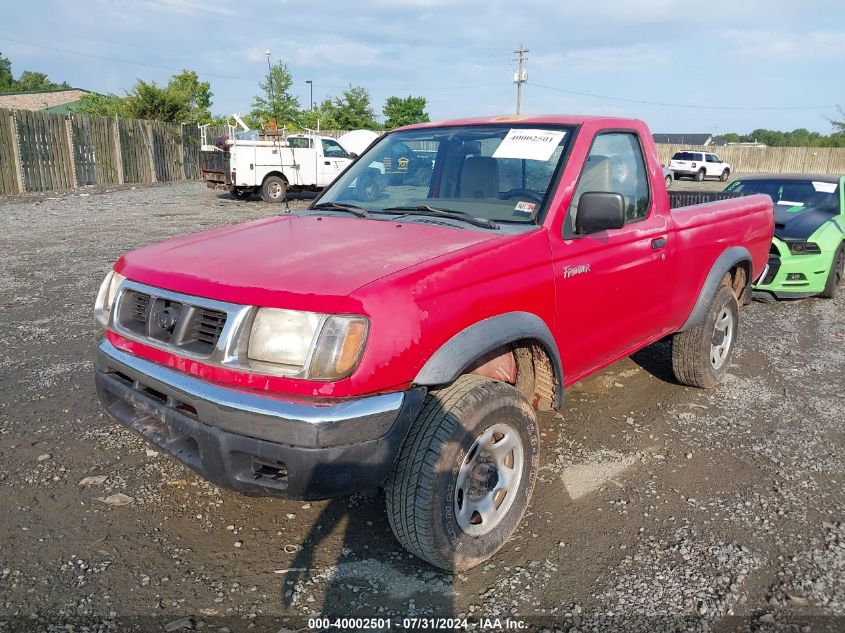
x: 209, y: 325
x: 140, y: 306
x: 193, y: 328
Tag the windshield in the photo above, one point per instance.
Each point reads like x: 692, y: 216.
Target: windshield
x: 494, y: 172
x: 820, y: 195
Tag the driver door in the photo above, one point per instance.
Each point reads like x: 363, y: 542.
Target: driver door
x: 611, y: 287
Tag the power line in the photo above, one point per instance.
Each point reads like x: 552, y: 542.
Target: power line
x: 681, y: 105
x: 115, y: 59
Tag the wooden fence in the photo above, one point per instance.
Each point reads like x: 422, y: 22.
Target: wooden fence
x: 41, y: 151
x: 746, y: 159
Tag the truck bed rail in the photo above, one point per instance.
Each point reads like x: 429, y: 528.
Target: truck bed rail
x: 679, y: 199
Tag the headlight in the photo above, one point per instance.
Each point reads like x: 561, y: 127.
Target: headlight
x: 804, y: 248
x: 315, y: 346
x: 105, y: 297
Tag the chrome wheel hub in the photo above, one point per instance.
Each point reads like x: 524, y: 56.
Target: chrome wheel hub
x: 723, y: 334
x: 488, y: 479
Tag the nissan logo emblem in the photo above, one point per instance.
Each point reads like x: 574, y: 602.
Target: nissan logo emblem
x: 165, y: 319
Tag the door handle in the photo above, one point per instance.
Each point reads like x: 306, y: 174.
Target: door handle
x: 328, y: 162
x: 660, y: 242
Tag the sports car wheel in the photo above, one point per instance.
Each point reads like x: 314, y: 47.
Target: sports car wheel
x: 836, y: 274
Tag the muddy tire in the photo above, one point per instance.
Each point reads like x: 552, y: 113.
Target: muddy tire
x: 836, y: 274
x: 274, y: 189
x: 465, y: 473
x: 702, y: 355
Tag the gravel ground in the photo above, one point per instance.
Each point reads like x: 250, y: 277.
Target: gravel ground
x: 659, y: 507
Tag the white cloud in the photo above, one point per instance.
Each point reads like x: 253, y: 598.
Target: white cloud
x: 339, y: 53
x: 191, y: 7
x: 765, y: 44
x: 602, y: 59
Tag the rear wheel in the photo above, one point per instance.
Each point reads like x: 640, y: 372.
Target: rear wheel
x: 836, y: 274
x: 725, y: 175
x: 699, y: 175
x: 702, y: 355
x: 465, y: 473
x: 273, y: 189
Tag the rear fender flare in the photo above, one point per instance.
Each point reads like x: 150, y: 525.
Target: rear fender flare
x: 723, y: 265
x: 460, y: 351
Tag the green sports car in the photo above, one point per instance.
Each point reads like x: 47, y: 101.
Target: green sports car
x: 808, y: 251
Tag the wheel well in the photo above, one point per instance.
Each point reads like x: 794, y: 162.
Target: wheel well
x: 738, y: 279
x: 527, y: 366
x: 275, y: 173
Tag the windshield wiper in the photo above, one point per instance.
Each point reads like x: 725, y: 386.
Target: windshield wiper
x: 348, y: 208
x: 424, y: 209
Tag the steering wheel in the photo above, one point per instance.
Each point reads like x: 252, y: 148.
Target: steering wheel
x: 522, y: 193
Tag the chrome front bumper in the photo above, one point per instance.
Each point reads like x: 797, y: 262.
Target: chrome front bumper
x: 254, y: 443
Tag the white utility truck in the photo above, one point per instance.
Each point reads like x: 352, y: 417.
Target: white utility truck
x: 272, y: 163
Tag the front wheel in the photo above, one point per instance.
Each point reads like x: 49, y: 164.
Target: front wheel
x: 699, y: 175
x: 702, y: 355
x: 668, y: 181
x: 465, y: 473
x: 725, y: 175
x: 836, y: 274
x: 273, y: 189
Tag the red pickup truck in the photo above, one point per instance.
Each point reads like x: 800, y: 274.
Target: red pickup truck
x: 403, y: 331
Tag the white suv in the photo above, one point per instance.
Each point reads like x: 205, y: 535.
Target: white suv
x: 699, y: 165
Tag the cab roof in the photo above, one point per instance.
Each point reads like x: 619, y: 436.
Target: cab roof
x: 538, y: 119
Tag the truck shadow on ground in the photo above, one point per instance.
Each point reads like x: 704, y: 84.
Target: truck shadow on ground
x: 350, y: 564
x: 656, y: 359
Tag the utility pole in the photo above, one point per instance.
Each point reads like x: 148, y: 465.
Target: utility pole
x: 521, y: 75
x: 272, y: 92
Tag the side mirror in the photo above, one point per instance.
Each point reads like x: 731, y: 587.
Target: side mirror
x: 353, y: 155
x: 599, y: 211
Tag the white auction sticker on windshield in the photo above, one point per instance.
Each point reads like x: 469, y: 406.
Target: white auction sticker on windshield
x: 529, y: 144
x: 824, y: 187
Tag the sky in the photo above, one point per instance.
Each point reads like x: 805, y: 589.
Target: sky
x: 777, y: 64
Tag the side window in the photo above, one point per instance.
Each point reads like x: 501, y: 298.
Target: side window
x: 615, y: 163
x: 332, y: 149
x: 716, y: 159
x: 699, y: 157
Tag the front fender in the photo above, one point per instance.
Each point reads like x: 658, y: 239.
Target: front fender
x: 460, y: 351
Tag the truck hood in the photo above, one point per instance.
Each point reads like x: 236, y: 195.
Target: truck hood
x: 798, y: 223
x: 297, y: 262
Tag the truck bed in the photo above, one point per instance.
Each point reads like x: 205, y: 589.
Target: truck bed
x: 678, y: 199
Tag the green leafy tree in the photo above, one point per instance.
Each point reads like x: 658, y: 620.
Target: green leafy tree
x: 399, y: 112
x: 31, y: 80
x: 28, y: 80
x: 101, y: 105
x: 149, y: 101
x: 352, y: 110
x: 322, y: 116
x: 7, y: 79
x: 196, y: 94
x: 275, y: 103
